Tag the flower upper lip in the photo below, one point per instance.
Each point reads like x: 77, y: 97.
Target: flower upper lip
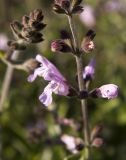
x: 49, y: 69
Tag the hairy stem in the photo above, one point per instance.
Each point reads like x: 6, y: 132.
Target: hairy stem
x: 7, y: 81
x: 81, y: 88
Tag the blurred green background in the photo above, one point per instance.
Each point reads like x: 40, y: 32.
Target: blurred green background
x: 27, y: 130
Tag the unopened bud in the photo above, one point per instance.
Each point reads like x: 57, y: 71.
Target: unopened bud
x: 108, y: 91
x: 36, y: 38
x: 25, y: 21
x: 61, y: 6
x: 37, y: 26
x: 97, y: 142
x: 75, y: 3
x: 58, y: 9
x: 17, y: 26
x: 65, y: 4
x: 32, y: 36
x: 29, y: 29
x: 60, y: 46
x: 36, y: 15
x: 96, y: 131
x: 79, y: 146
x: 72, y: 92
x: 91, y: 34
x: 88, y: 43
x: 64, y: 34
x: 77, y: 10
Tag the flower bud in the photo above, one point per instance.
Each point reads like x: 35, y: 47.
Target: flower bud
x: 61, y: 6
x: 72, y: 92
x: 29, y: 29
x: 37, y: 26
x: 79, y: 146
x: 96, y: 131
x: 65, y: 4
x: 37, y: 38
x: 88, y: 43
x: 97, y: 142
x: 91, y: 34
x: 64, y: 34
x: 108, y: 91
x: 77, y: 10
x: 60, y: 46
x: 75, y: 2
x: 25, y: 21
x: 58, y: 9
x: 68, y: 6
x: 36, y: 15
x: 31, y: 36
x: 17, y: 26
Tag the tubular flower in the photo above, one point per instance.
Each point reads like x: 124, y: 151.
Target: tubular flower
x: 89, y: 70
x: 49, y: 72
x: 108, y: 91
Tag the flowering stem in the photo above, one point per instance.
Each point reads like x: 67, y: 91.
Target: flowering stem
x: 7, y: 81
x: 81, y: 88
x: 74, y: 35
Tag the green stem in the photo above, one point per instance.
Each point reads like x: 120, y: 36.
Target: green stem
x: 81, y: 88
x: 7, y: 81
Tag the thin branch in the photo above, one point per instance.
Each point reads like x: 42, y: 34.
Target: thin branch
x: 81, y: 88
x: 7, y: 81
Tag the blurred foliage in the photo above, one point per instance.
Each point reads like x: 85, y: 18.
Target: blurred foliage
x: 27, y: 130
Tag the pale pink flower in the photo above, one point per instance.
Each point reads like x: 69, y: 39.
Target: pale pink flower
x: 49, y: 72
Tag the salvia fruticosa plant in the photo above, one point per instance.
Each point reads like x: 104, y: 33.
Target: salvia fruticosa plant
x: 29, y: 31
